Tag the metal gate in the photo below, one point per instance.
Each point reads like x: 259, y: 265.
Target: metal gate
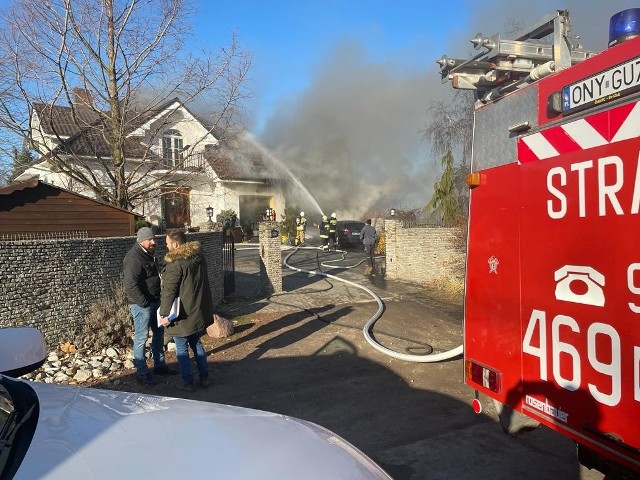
x: 228, y: 262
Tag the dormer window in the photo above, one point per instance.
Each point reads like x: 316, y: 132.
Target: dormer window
x: 172, y: 146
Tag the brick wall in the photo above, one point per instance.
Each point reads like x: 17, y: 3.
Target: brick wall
x: 49, y: 284
x: 424, y: 254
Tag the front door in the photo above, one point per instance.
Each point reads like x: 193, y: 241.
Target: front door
x: 175, y: 207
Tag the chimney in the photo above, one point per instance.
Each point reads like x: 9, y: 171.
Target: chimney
x: 82, y: 97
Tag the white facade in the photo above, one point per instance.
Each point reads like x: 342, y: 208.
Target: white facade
x: 186, y: 139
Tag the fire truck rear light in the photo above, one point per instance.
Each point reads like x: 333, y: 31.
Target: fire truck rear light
x: 484, y: 376
x: 474, y: 179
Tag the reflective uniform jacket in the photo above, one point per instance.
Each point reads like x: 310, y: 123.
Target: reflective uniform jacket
x: 324, y: 229
x: 333, y: 225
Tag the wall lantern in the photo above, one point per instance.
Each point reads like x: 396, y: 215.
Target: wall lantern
x: 392, y: 212
x: 210, y: 213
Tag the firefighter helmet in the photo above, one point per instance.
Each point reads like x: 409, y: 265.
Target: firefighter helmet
x: 324, y: 218
x: 302, y: 214
x: 333, y: 215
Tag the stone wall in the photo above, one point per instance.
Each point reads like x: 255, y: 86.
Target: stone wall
x: 424, y: 254
x: 270, y: 258
x: 49, y: 284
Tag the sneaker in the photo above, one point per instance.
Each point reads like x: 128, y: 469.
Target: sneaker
x: 146, y: 379
x: 186, y: 387
x: 205, y: 381
x: 164, y: 370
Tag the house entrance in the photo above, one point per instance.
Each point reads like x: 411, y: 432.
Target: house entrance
x: 252, y: 209
x: 175, y: 207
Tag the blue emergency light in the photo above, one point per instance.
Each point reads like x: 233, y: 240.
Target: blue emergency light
x: 624, y: 25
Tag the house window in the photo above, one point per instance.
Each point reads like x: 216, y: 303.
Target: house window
x: 172, y: 146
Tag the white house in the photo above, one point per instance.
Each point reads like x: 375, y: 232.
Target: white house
x: 169, y: 149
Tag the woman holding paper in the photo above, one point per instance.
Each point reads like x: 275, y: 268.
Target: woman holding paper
x: 185, y: 276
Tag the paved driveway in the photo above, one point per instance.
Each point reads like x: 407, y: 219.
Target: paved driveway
x: 302, y: 353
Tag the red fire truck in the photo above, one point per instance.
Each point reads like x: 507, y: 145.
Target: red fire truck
x: 552, y: 301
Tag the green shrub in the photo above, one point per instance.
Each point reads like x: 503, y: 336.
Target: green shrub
x: 108, y: 323
x: 288, y: 222
x: 380, y: 248
x: 227, y: 217
x: 142, y: 223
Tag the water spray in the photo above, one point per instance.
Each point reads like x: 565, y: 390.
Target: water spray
x: 281, y: 164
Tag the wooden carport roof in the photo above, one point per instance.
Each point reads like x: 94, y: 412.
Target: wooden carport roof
x: 33, y: 207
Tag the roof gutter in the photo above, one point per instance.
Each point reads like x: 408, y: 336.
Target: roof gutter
x: 255, y: 182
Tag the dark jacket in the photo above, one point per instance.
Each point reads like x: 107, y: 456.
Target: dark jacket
x: 140, y: 276
x: 185, y: 275
x: 324, y: 229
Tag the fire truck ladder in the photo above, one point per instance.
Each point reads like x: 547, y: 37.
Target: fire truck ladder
x: 505, y: 65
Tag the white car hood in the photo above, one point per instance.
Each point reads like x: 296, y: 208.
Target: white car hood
x: 87, y: 433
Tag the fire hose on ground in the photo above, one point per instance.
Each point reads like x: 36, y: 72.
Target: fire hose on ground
x: 366, y: 330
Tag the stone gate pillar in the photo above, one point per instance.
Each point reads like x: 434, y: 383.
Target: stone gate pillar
x: 270, y: 257
x: 391, y: 239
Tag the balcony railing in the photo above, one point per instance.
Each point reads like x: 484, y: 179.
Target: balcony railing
x: 193, y: 162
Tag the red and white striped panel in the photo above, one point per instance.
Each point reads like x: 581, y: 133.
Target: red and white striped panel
x: 615, y: 125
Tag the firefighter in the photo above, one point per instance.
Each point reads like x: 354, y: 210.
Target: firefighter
x: 333, y: 228
x: 301, y: 227
x: 324, y: 233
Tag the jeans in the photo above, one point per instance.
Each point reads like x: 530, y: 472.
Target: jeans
x: 182, y: 352
x: 143, y: 318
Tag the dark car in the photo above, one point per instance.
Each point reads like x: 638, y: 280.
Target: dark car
x: 348, y: 233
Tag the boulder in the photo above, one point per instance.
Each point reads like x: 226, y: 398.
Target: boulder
x: 220, y: 328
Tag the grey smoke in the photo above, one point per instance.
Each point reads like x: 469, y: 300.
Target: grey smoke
x: 353, y: 138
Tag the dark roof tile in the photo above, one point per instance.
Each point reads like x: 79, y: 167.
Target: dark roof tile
x: 236, y: 158
x: 239, y: 158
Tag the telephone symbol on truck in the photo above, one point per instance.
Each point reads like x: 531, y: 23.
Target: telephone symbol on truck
x: 588, y: 278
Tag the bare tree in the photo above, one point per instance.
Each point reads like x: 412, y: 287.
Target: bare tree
x: 5, y: 172
x: 451, y: 127
x: 451, y: 130
x: 111, y: 64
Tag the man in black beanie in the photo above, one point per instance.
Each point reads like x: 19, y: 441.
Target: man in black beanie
x: 142, y: 286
